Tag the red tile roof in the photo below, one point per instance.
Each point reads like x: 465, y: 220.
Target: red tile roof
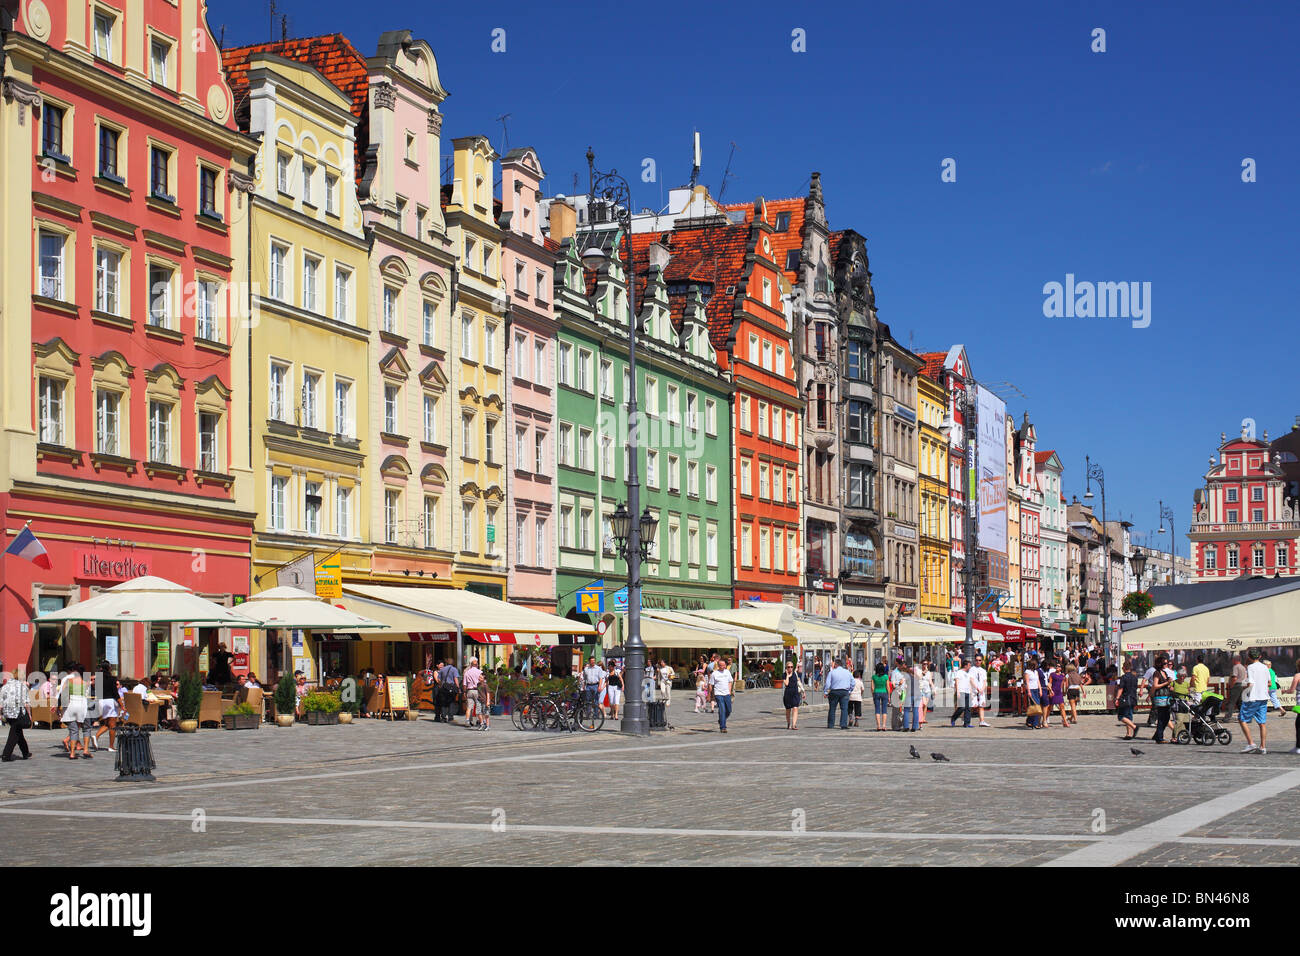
x: 782, y: 242
x: 836, y: 238
x: 332, y: 55
x: 1042, y: 456
x: 933, y: 367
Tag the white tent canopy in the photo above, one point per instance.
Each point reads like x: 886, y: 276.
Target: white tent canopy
x: 666, y: 629
x: 149, y: 600
x: 761, y: 616
x: 916, y: 630
x: 470, y: 611
x: 1261, y: 619
x: 291, y: 608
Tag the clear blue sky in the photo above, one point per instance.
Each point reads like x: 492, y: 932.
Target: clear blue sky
x: 1115, y: 166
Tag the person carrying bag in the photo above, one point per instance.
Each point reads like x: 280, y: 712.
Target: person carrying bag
x: 15, y: 706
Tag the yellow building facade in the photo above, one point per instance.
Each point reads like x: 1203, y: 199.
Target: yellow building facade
x: 309, y: 335
x: 478, y: 373
x: 934, y: 514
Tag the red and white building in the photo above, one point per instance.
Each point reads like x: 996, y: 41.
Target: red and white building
x: 1244, y: 524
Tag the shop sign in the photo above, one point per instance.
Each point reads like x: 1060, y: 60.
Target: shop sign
x: 111, y: 566
x: 818, y: 583
x: 329, y: 579
x: 591, y: 599
x: 110, y: 648
x: 670, y: 602
x: 491, y: 533
x: 862, y: 600
x: 162, y: 660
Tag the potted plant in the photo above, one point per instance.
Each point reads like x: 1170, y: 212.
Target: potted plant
x: 286, y: 697
x: 349, y: 707
x: 242, y: 716
x: 188, y: 701
x: 321, y: 707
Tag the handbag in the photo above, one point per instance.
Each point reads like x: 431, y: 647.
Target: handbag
x: 1034, y: 710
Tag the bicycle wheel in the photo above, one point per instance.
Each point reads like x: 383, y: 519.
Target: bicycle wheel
x: 549, y: 716
x: 524, y: 715
x: 590, y: 718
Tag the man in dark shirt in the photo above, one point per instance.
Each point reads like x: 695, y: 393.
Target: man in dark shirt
x: 1127, y: 700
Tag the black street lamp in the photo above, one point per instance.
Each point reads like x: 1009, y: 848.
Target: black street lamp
x: 1139, y: 561
x: 1167, y: 514
x: 613, y: 190
x: 1095, y: 473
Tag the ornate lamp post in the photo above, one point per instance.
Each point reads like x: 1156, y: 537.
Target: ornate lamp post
x: 634, y: 537
x: 1139, y: 562
x: 1095, y: 473
x: 1167, y: 515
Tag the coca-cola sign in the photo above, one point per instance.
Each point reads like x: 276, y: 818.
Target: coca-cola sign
x: 110, y: 565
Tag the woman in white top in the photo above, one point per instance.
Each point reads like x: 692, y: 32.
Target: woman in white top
x: 924, y: 688
x: 72, y: 691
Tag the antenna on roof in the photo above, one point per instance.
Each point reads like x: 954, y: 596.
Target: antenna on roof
x: 272, y: 36
x: 284, y: 27
x: 726, y: 173
x: 505, y: 133
x: 221, y: 40
x: 695, y: 163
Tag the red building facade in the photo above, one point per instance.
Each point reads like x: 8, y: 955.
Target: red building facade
x: 125, y: 427
x: 1244, y: 523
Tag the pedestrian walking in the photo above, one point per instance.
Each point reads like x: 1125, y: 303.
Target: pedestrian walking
x: 898, y: 694
x: 880, y: 694
x: 720, y: 682
x: 1254, y: 704
x: 15, y: 707
x: 817, y: 673
x: 979, y: 689
x: 1161, y: 688
x: 839, y: 683
x: 593, y: 681
x: 791, y: 696
x: 962, y: 689
x: 1126, y: 699
x: 1273, y: 700
x: 1033, y: 697
x: 1073, y: 691
x: 701, y: 689
x: 1295, y: 687
x: 614, y: 691
x: 472, y: 679
x: 1057, y: 683
x: 110, y: 694
x: 855, y: 698
x: 1236, y: 685
x: 666, y: 675
x: 72, y: 692
x: 448, y: 689
x: 926, y: 700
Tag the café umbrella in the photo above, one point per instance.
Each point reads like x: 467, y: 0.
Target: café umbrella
x: 293, y: 609
x: 149, y: 600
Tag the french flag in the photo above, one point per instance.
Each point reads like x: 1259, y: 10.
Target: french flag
x: 28, y: 546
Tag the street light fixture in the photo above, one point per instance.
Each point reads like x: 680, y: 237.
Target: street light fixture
x: 622, y: 523
x: 1139, y: 562
x: 1167, y: 514
x: 1095, y: 473
x: 613, y: 190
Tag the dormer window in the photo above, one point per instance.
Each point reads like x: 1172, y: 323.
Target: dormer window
x: 782, y: 221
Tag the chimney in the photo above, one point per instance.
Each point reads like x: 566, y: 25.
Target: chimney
x: 564, y: 220
x: 659, y: 256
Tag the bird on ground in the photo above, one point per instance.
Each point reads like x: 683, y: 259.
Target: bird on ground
x: 1135, y: 752
x: 914, y: 752
x: 940, y: 757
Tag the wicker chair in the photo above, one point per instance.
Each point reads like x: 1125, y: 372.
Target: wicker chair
x: 212, y: 708
x: 140, y: 712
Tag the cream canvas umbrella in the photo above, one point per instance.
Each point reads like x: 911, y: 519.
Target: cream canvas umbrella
x: 149, y: 600
x: 297, y: 610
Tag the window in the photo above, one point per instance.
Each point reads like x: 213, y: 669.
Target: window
x: 674, y: 546
x: 1257, y: 493
x: 521, y: 356
x: 392, y: 500
x: 1257, y: 514
x: 1232, y: 557
x: 104, y: 35
x: 108, y: 274
x: 539, y: 450
x: 652, y: 468
x: 540, y: 287
x: 1281, y: 556
x: 50, y: 393
x: 778, y: 552
x: 746, y: 554
x: 310, y: 399
x: 674, y: 484
x: 710, y: 483
x: 791, y: 436
x: 521, y: 281
x: 606, y: 379
x: 746, y: 478
x: 692, y: 411
x: 343, y: 512
x: 490, y: 346
x: 106, y: 421
x: 279, y: 263
x: 490, y: 441
x: 310, y: 272
x: 540, y: 553
x: 565, y: 451
x: 471, y: 253
x: 205, y: 311
x: 742, y: 412
x: 1211, y: 558
x: 693, y: 479
x: 467, y: 435
x: 860, y: 487
x: 651, y: 396
x: 584, y: 449
x: 764, y: 548
x: 763, y: 416
x: 711, y: 546
x: 431, y: 419
x: 160, y: 432
x: 767, y: 300
x: 52, y: 132
x: 521, y: 529
x: 279, y: 502
x: 539, y: 362
x: 159, y: 174
x: 51, y: 277
x: 1232, y: 494
x: 753, y: 349
x: 467, y: 337
x: 282, y: 172
x: 607, y: 456
x: 159, y: 54
x: 674, y: 411
x: 308, y: 174
x: 342, y: 294
x: 278, y: 393
x: 566, y: 525
x: 764, y: 484
x: 392, y: 397
x: 430, y: 521
x: 389, y: 316
x: 311, y: 501
x: 343, y: 408
x: 1257, y: 556
x: 780, y: 361
x: 108, y: 142
x: 710, y: 416
x: 859, y: 423
x: 331, y: 194
x: 1232, y: 516
x: 857, y: 365
x: 584, y: 529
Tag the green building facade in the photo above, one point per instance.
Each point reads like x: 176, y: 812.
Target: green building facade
x: 685, y: 453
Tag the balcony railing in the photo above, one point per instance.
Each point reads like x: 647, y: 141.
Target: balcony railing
x: 1245, y: 527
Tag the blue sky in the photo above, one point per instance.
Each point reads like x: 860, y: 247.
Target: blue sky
x: 1117, y: 166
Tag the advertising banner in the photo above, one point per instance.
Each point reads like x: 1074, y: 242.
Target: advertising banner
x: 991, y: 412
x: 297, y: 573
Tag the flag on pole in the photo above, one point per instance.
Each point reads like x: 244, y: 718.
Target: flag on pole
x: 27, y: 545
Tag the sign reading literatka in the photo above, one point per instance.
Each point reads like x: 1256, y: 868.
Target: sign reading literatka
x: 109, y: 565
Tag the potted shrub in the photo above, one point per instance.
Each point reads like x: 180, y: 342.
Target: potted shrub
x: 348, y: 708
x: 286, y: 696
x: 189, y: 698
x: 321, y: 707
x: 242, y: 716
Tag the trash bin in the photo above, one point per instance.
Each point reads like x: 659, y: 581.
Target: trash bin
x: 657, y: 711
x: 134, y: 759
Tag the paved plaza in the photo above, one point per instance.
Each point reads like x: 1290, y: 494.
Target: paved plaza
x: 380, y: 792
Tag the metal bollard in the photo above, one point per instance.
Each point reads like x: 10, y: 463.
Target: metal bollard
x: 134, y: 760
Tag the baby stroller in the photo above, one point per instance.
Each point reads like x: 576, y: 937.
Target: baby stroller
x: 1203, y: 722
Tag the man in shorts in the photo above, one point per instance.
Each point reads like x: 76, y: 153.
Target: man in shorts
x: 1254, y: 704
x: 472, y: 679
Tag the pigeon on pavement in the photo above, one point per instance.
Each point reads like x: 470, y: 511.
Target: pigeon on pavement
x: 1135, y: 752
x: 915, y: 754
x: 940, y: 757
